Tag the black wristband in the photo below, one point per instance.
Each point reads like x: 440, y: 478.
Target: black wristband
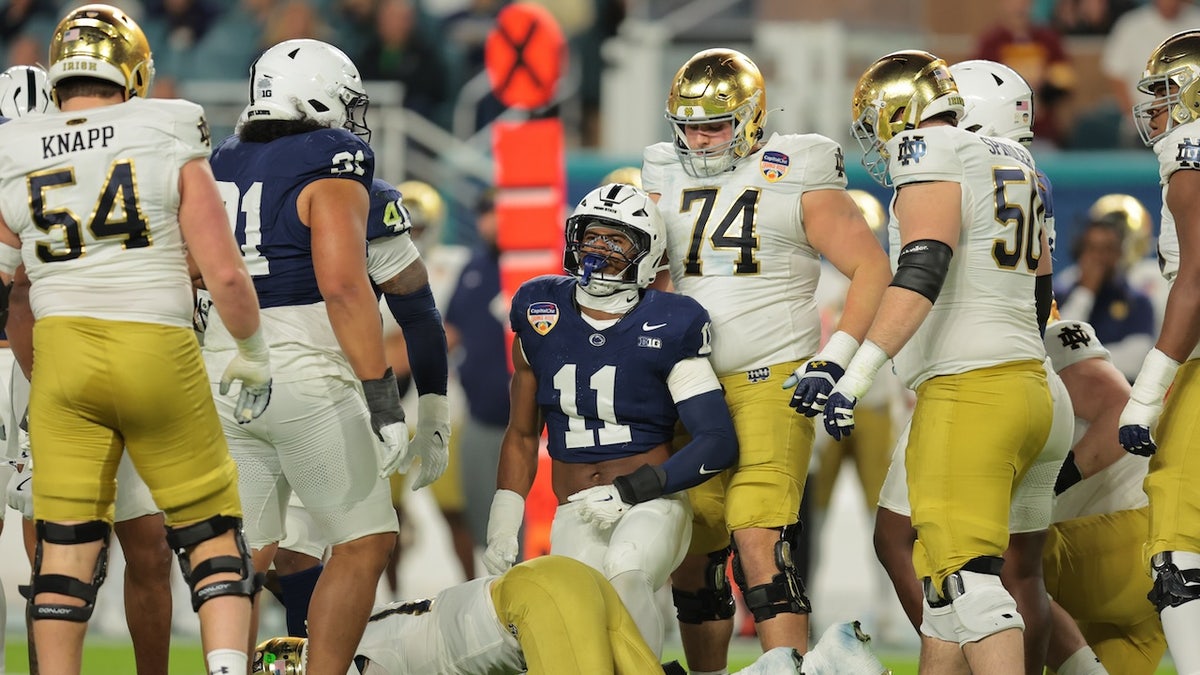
x: 642, y: 485
x: 383, y: 398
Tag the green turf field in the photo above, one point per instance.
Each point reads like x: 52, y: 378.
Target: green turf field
x: 115, y: 658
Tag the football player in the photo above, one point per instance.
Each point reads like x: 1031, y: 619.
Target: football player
x: 609, y: 368
x: 297, y: 181
x: 960, y: 322
x: 997, y: 103
x: 1101, y: 516
x: 118, y: 364
x: 137, y: 521
x: 548, y: 615
x: 748, y: 219
x: 1167, y: 431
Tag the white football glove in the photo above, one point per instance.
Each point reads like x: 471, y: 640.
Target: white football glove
x: 600, y: 505
x: 504, y: 526
x: 19, y: 491
x: 387, y: 421
x: 431, y: 443
x: 251, y: 367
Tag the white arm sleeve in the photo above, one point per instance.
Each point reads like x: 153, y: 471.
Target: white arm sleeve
x: 388, y: 256
x: 691, y: 377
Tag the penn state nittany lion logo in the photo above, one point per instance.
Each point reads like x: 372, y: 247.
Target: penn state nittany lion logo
x: 1188, y: 154
x: 542, y: 316
x: 1074, y: 336
x: 912, y: 149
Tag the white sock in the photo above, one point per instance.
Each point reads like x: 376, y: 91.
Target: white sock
x: 227, y: 662
x: 815, y: 662
x: 1082, y: 662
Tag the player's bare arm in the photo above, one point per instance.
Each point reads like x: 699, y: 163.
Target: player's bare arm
x: 408, y: 280
x: 1099, y: 393
x: 920, y: 209
x: 1180, y: 330
x: 336, y: 211
x: 211, y: 244
x: 519, y: 448
x: 19, y: 326
x: 836, y: 228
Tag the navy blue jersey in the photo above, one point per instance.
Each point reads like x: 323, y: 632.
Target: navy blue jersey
x: 388, y: 216
x: 603, y: 393
x: 260, y: 183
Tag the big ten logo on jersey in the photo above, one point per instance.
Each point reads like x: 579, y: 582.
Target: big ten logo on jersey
x: 912, y: 149
x: 344, y: 162
x: 649, y: 342
x: 1188, y: 154
x: 1074, y: 336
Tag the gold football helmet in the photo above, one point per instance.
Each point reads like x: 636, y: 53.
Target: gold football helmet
x: 873, y: 211
x: 101, y: 41
x: 717, y: 85
x: 898, y: 92
x: 1172, y: 77
x: 629, y: 175
x: 281, y: 656
x: 427, y: 209
x: 1138, y: 225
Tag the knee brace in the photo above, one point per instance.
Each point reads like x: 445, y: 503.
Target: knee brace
x: 66, y: 535
x: 182, y: 539
x: 713, y: 602
x: 1172, y: 586
x: 982, y: 607
x: 784, y: 593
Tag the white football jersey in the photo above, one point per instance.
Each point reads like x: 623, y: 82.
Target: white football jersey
x: 1177, y: 151
x: 1118, y: 486
x: 94, y: 197
x: 736, y: 244
x: 985, y: 314
x: 456, y: 633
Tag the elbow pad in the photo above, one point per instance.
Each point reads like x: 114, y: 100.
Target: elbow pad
x: 922, y: 267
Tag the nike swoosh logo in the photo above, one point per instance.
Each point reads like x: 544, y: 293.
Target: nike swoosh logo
x: 647, y: 326
x: 706, y: 472
x: 21, y: 486
x: 606, y: 499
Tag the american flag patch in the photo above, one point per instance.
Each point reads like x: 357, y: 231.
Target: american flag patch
x: 71, y: 35
x: 1023, y: 106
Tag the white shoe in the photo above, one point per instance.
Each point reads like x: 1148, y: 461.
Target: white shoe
x: 778, y: 661
x: 844, y: 649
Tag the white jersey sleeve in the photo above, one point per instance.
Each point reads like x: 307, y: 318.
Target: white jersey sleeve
x: 985, y: 314
x: 1069, y: 342
x: 1177, y: 151
x: 388, y: 256
x: 736, y: 243
x: 94, y: 197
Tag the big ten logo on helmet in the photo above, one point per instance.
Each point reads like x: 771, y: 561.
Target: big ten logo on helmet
x: 1188, y: 154
x: 912, y: 149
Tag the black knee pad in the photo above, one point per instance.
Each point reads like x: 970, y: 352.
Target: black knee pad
x: 182, y: 539
x: 1172, y: 586
x: 784, y: 593
x: 713, y: 602
x: 66, y: 535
